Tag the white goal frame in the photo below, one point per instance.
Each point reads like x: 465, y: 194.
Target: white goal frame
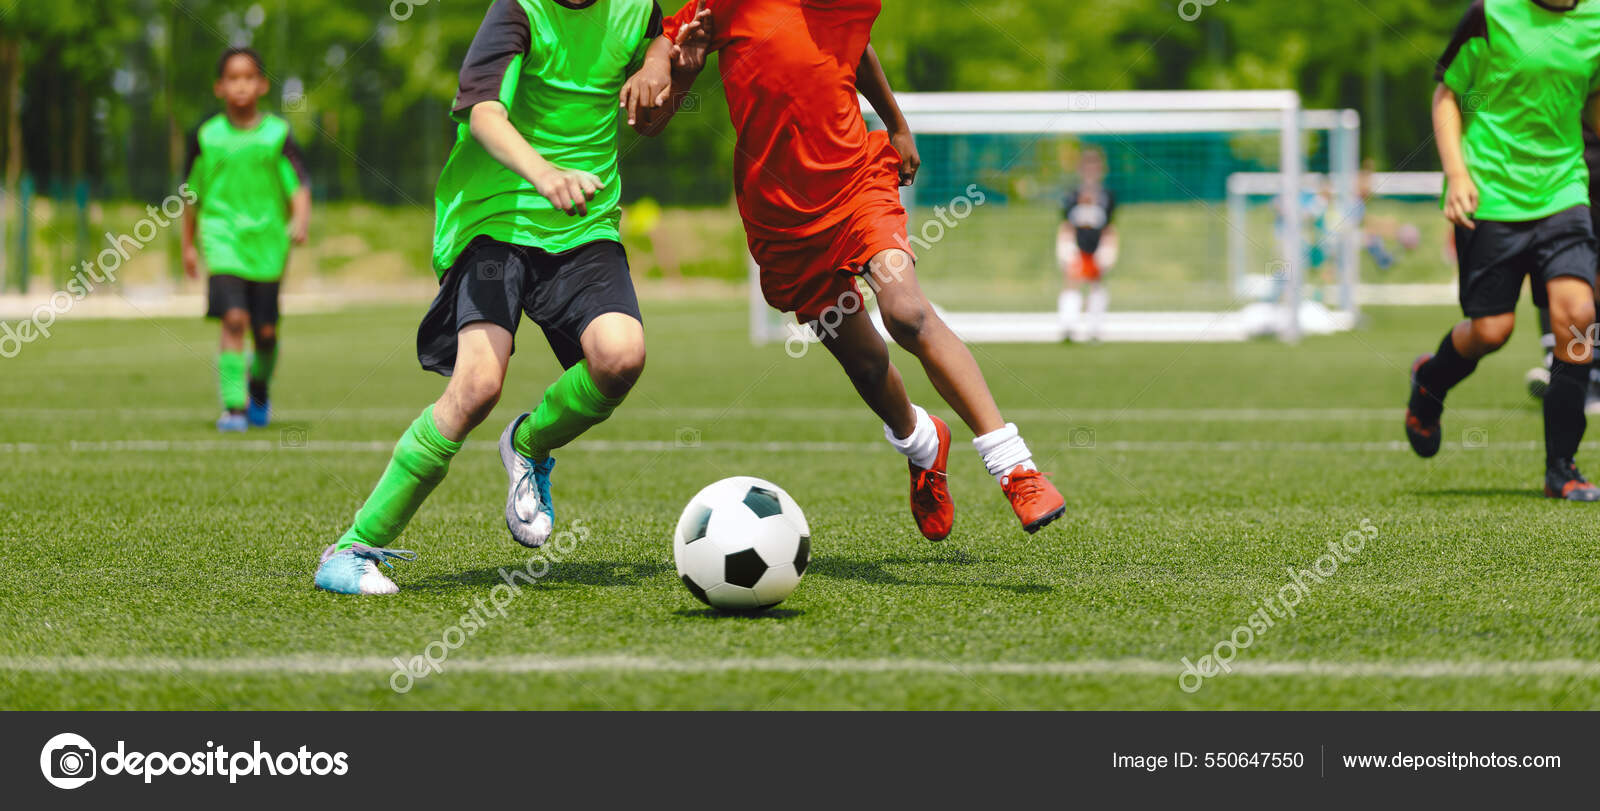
x: 1123, y: 112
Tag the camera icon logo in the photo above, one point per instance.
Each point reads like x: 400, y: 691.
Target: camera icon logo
x: 1475, y: 438
x: 1081, y: 437
x: 690, y: 103
x: 292, y: 437
x: 491, y: 270
x: 687, y: 438
x: 68, y: 761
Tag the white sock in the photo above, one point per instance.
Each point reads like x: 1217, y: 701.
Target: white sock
x: 1069, y: 305
x: 1099, y: 300
x: 922, y: 446
x: 1003, y: 451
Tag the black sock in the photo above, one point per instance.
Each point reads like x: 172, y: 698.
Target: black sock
x: 1437, y: 377
x: 258, y: 391
x: 1564, y: 421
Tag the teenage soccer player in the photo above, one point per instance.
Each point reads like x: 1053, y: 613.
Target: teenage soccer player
x: 820, y: 200
x: 1086, y: 246
x: 526, y: 222
x: 254, y: 197
x: 1517, y: 191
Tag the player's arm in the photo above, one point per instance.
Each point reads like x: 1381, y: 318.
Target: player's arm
x: 1591, y: 114
x: 1461, y: 194
x: 671, y: 65
x: 191, y: 214
x: 1067, y: 246
x: 300, y: 200
x: 569, y: 190
x: 874, y: 84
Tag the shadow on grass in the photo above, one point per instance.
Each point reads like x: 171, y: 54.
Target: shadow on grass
x: 565, y: 573
x: 876, y: 572
x: 773, y: 614
x: 1480, y: 492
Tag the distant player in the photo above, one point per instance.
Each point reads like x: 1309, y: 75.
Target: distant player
x: 254, y: 198
x: 1517, y: 191
x: 526, y: 221
x: 1538, y: 378
x: 820, y: 199
x: 1086, y: 247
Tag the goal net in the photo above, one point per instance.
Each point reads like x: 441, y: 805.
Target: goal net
x: 997, y: 168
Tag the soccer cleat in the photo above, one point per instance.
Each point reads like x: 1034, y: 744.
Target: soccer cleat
x: 529, y: 513
x: 930, y: 491
x: 259, y: 413
x: 1562, y: 480
x: 231, y: 423
x: 1036, y: 501
x: 355, y: 570
x: 1538, y: 380
x: 1425, y: 437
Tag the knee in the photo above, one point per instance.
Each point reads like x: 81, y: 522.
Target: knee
x: 616, y: 364
x: 266, y: 338
x: 907, y: 322
x: 1492, y: 333
x: 235, y: 322
x: 476, y: 395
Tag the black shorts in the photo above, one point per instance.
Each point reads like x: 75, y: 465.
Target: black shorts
x: 1496, y: 256
x: 259, y: 299
x: 497, y: 282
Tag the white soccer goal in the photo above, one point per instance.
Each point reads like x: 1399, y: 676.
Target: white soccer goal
x: 986, y: 206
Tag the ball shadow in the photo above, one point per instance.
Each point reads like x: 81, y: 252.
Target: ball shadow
x: 774, y: 614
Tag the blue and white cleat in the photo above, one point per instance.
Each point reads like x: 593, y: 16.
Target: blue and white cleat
x: 230, y: 423
x: 259, y: 414
x: 355, y: 570
x: 529, y: 514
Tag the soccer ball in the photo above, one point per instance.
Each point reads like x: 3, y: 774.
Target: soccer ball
x: 742, y: 544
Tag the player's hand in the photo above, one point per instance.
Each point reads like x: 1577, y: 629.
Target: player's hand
x: 1461, y: 201
x: 647, y: 89
x: 904, y: 143
x: 569, y: 190
x: 299, y: 231
x: 693, y: 42
x: 191, y: 261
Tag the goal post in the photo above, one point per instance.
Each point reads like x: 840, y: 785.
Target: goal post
x: 993, y: 273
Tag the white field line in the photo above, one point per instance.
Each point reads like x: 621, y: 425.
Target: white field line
x: 1081, y: 416
x: 305, y: 664
x: 657, y: 446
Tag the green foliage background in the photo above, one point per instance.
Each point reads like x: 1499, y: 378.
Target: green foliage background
x: 103, y: 90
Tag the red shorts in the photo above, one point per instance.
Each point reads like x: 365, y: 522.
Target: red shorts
x: 811, y: 275
x: 1088, y: 269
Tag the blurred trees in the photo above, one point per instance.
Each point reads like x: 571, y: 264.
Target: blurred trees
x: 103, y: 90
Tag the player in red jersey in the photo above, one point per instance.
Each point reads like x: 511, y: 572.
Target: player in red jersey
x: 820, y: 199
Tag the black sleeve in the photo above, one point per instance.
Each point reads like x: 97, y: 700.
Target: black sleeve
x: 191, y: 153
x: 1111, y: 206
x: 1475, y: 23
x: 1068, y: 202
x: 503, y: 37
x: 297, y: 160
x: 655, y: 28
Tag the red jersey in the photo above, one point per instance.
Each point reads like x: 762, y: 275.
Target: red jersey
x: 804, y: 158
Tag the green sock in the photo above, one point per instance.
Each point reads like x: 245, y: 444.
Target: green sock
x: 230, y: 379
x: 421, y: 458
x: 573, y: 404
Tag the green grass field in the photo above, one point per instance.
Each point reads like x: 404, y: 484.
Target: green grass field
x: 146, y: 562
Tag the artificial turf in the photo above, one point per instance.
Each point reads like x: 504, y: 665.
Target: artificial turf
x: 147, y: 562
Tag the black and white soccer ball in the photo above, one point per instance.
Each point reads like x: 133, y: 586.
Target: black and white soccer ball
x: 742, y: 544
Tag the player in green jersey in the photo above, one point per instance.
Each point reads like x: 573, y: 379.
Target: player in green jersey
x: 254, y: 197
x: 1514, y: 86
x: 526, y: 222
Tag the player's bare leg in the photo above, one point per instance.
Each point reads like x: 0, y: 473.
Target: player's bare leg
x: 921, y: 437
x: 1572, y: 313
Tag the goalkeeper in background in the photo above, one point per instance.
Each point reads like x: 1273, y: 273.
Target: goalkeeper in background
x: 1086, y: 248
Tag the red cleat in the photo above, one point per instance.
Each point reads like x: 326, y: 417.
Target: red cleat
x: 930, y: 491
x: 1036, y: 501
